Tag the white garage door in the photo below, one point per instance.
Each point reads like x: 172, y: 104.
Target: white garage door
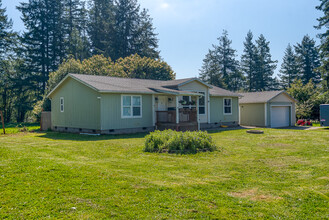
x: 280, y: 116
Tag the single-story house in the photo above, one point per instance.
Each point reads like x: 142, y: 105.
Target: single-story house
x: 111, y: 105
x: 267, y: 109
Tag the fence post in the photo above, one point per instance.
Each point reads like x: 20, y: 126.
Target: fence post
x: 3, y: 123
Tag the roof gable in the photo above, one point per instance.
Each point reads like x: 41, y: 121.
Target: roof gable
x: 282, y: 97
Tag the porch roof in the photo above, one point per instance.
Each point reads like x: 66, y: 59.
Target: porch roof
x: 176, y: 92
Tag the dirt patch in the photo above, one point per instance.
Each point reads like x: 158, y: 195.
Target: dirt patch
x: 275, y: 145
x: 323, y: 178
x: 88, y: 202
x: 254, y: 195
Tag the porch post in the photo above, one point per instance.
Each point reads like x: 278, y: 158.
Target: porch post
x: 177, y: 110
x: 153, y: 111
x: 208, y: 102
x: 197, y: 112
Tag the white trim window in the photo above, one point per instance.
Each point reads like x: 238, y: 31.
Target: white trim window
x: 61, y: 104
x: 202, y: 104
x: 227, y: 106
x: 131, y: 106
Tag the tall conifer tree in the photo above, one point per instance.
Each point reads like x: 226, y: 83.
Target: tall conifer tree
x: 220, y: 66
x: 120, y: 28
x: 289, y: 68
x: 44, y: 37
x: 101, y: 27
x: 265, y: 66
x: 324, y: 47
x: 7, y: 41
x: 210, y: 70
x: 308, y: 60
x: 248, y: 62
x: 75, y: 23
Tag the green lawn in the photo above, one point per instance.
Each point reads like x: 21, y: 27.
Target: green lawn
x: 281, y: 174
x: 16, y: 128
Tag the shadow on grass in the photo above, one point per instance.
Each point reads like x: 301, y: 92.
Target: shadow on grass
x: 300, y: 128
x: 80, y: 137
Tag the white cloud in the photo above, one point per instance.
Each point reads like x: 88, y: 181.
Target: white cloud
x: 156, y: 4
x: 164, y: 5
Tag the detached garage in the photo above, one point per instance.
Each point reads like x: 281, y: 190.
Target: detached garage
x: 273, y: 109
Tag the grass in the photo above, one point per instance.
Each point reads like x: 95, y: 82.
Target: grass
x: 13, y: 128
x: 280, y: 174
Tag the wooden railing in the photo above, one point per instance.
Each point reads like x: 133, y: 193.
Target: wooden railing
x: 166, y: 117
x: 185, y: 115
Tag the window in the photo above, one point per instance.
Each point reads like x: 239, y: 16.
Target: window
x: 186, y: 100
x: 61, y: 104
x: 202, y: 108
x: 131, y: 106
x: 227, y: 106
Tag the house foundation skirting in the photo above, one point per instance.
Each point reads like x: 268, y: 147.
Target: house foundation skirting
x: 204, y: 126
x: 109, y: 131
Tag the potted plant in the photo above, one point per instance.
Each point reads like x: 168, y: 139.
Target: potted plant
x: 183, y: 102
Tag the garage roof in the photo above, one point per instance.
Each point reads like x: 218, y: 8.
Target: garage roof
x: 262, y: 97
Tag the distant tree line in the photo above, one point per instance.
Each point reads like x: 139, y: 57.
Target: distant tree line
x: 87, y: 34
x: 255, y: 70
x: 304, y: 72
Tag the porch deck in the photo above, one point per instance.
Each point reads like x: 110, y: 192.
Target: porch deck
x: 187, y: 120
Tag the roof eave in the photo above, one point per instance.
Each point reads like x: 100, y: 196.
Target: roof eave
x: 178, y: 93
x: 127, y: 92
x: 53, y: 90
x: 217, y: 95
x: 252, y: 102
x: 75, y: 78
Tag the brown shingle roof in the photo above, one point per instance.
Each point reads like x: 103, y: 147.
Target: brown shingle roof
x: 129, y: 85
x: 259, y: 97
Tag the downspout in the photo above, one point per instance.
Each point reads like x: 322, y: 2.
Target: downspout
x: 177, y: 112
x: 101, y: 113
x: 197, y: 112
x: 208, y: 98
x: 153, y: 112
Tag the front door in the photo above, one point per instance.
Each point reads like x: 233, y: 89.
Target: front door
x: 203, y: 108
x: 162, y: 103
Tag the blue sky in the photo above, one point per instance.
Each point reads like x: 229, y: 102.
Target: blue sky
x: 188, y: 28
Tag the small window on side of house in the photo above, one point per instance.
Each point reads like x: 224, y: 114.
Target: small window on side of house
x: 61, y: 104
x: 227, y: 106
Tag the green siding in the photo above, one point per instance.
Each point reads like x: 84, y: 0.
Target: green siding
x: 81, y: 106
x: 217, y: 110
x: 111, y: 113
x: 252, y: 114
x: 194, y: 86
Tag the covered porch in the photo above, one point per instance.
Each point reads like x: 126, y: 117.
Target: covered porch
x: 177, y: 112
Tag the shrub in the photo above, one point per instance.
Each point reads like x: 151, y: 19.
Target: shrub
x: 179, y: 142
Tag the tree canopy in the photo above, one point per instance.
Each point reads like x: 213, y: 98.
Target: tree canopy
x: 220, y: 67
